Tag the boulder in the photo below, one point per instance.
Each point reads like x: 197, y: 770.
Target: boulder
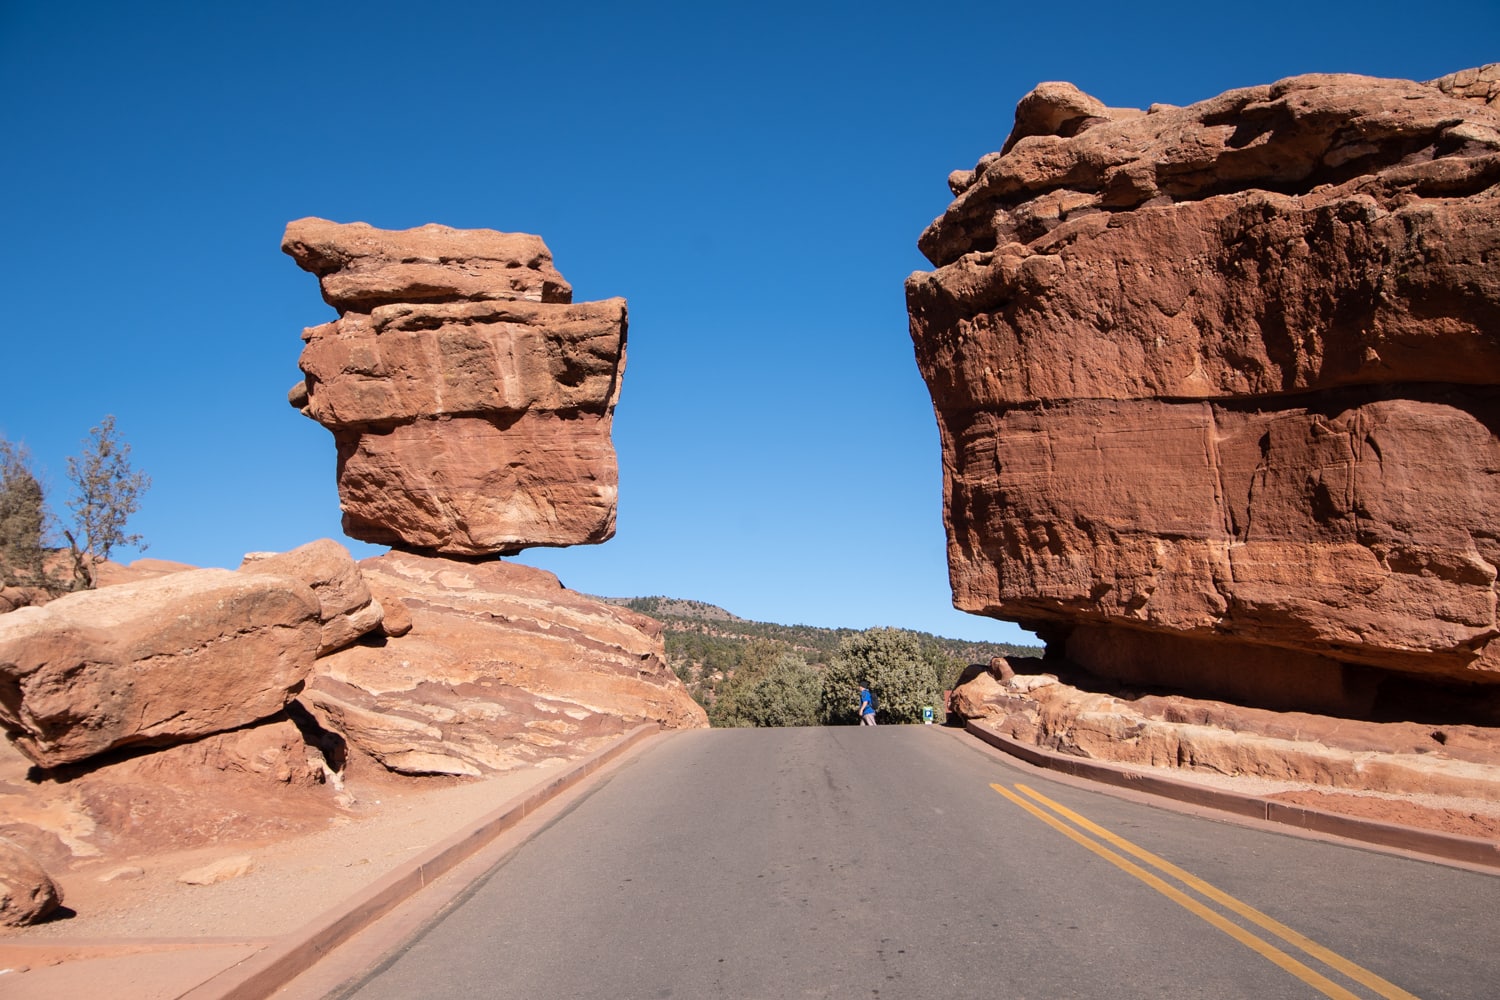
x: 1215, y: 386
x: 469, y: 398
x: 154, y: 662
x: 27, y: 894
x: 396, y: 620
x: 502, y: 667
x: 346, y: 608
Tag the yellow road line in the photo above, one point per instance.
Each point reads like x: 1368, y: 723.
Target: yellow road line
x: 1263, y: 948
x: 1332, y: 959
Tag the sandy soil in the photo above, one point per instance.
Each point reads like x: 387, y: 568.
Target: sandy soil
x: 290, y: 882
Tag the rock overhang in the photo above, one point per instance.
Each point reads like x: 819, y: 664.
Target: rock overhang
x: 1227, y: 371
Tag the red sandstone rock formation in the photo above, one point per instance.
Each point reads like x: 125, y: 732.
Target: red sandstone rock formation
x: 470, y: 400
x: 177, y: 653
x: 153, y: 663
x: 502, y: 667
x: 1215, y: 385
x: 346, y: 608
x: 27, y: 892
x: 1216, y: 738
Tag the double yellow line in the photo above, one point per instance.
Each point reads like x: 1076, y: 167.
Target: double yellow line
x: 1252, y: 941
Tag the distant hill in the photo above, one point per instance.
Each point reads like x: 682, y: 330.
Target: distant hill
x: 675, y: 607
x: 705, y: 643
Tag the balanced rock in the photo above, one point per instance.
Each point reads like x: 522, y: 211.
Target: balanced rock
x: 470, y: 400
x: 154, y: 662
x: 502, y: 667
x: 1215, y: 385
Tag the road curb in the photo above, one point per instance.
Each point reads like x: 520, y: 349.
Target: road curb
x: 288, y: 957
x: 1450, y: 847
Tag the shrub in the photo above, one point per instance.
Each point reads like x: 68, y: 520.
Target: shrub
x: 785, y: 695
x: 890, y: 663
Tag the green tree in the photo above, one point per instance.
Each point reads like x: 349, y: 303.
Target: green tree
x: 23, y: 521
x: 785, y: 695
x: 945, y: 666
x: 106, y: 491
x: 755, y: 660
x: 890, y: 663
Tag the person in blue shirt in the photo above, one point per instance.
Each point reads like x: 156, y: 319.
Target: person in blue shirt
x: 866, y: 707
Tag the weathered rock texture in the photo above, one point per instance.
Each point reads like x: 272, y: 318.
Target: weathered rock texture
x: 153, y: 663
x: 27, y: 892
x: 470, y: 399
x: 501, y: 667
x: 1103, y: 722
x: 346, y: 608
x: 1216, y: 385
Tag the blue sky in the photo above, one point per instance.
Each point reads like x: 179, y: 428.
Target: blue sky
x: 751, y: 178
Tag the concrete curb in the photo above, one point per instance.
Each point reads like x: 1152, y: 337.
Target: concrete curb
x: 1447, y: 846
x: 288, y: 957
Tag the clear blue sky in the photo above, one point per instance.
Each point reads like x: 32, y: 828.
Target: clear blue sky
x: 753, y: 178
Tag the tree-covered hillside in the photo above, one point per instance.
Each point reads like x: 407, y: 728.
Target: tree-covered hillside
x: 708, y: 647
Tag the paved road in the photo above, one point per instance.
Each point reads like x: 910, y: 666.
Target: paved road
x: 849, y: 862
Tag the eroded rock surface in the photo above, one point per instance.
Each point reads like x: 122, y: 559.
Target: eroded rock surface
x: 470, y: 399
x: 346, y: 608
x: 502, y: 667
x: 1105, y: 722
x: 154, y: 662
x: 1215, y: 385
x: 27, y: 892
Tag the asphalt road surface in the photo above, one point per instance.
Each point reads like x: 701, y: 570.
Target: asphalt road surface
x: 908, y: 862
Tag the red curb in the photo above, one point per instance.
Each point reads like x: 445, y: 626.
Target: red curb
x: 1448, y: 846
x: 264, y: 973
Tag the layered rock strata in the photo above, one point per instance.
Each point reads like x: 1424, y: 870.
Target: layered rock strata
x: 502, y: 667
x: 1210, y: 738
x: 470, y: 399
x: 1216, y: 385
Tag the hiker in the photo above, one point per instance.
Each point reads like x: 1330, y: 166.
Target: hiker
x: 866, y: 707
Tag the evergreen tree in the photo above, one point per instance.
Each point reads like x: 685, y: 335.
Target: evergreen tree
x: 23, y: 521
x: 755, y: 660
x: 785, y: 695
x: 890, y: 663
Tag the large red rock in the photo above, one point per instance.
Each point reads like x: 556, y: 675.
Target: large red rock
x: 346, y: 608
x: 502, y: 667
x: 470, y: 399
x: 153, y: 663
x: 1215, y: 384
